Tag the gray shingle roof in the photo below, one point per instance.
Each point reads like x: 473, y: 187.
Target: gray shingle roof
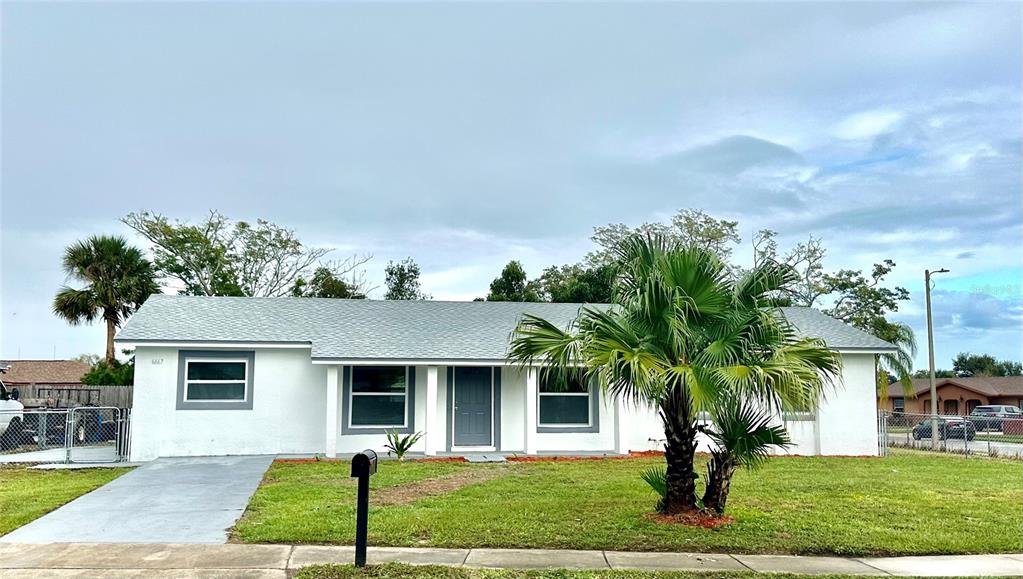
x: 377, y: 329
x: 811, y: 323
x: 986, y: 385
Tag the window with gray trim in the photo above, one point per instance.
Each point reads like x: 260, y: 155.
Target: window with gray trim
x: 799, y: 416
x: 570, y: 406
x: 215, y: 380
x: 379, y: 397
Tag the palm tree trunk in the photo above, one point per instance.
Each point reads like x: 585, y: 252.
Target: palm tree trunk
x: 719, y: 482
x: 679, y: 453
x: 111, y: 330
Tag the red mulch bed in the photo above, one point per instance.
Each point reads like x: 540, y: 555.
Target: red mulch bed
x: 555, y: 458
x: 701, y: 519
x: 520, y: 458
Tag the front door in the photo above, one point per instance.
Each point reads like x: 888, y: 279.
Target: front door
x: 473, y: 410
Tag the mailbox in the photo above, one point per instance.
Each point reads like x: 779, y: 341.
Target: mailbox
x: 364, y: 463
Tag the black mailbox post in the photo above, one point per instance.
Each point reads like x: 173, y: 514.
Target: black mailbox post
x: 364, y: 464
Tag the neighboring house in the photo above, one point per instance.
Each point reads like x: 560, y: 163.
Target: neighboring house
x: 224, y: 375
x: 956, y: 395
x: 21, y: 373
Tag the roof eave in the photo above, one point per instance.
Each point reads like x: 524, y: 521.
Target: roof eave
x: 134, y: 343
x: 351, y: 361
x: 866, y: 350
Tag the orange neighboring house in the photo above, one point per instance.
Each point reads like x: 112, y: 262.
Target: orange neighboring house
x: 21, y: 373
x: 956, y: 395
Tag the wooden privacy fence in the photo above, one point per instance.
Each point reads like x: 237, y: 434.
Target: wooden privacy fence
x: 74, y: 395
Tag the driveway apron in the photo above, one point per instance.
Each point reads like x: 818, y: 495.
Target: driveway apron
x: 169, y: 500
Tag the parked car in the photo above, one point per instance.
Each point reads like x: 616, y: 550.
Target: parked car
x: 948, y: 427
x: 45, y: 428
x: 11, y: 416
x: 991, y: 417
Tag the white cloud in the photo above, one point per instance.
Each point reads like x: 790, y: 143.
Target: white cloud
x: 867, y: 125
x: 461, y: 145
x: 903, y: 236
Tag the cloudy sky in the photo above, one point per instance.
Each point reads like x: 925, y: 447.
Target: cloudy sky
x: 465, y: 135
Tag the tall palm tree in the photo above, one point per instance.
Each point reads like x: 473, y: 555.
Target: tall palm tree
x: 684, y: 336
x: 117, y: 278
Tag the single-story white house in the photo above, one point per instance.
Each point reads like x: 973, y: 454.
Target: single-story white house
x: 232, y: 375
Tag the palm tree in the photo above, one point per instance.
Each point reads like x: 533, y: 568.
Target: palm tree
x: 685, y: 336
x: 117, y: 278
x: 899, y: 363
x: 743, y: 435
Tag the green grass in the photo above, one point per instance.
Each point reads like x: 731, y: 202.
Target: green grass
x: 999, y: 437
x: 399, y: 571
x: 26, y: 495
x: 908, y: 503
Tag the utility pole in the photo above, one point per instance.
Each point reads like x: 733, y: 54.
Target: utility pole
x: 930, y: 355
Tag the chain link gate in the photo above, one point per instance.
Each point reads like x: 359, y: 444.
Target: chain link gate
x: 96, y: 434
x: 85, y: 434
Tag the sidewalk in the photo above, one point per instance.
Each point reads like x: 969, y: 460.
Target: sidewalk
x: 77, y: 560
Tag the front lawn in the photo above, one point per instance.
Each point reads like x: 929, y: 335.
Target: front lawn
x: 26, y: 494
x: 908, y: 503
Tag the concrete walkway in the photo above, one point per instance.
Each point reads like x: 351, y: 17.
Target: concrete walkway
x: 20, y: 561
x: 169, y: 500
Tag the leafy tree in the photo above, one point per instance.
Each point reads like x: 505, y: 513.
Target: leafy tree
x: 689, y: 227
x: 856, y: 299
x: 861, y: 300
x: 511, y: 286
x: 938, y: 373
x: 687, y: 337
x: 325, y: 283
x: 220, y: 257
x: 402, y: 281
x: 967, y: 364
x: 577, y: 284
x: 106, y: 374
x: 90, y: 359
x: 806, y: 259
x: 117, y: 278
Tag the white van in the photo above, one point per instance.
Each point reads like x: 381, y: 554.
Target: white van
x: 11, y: 415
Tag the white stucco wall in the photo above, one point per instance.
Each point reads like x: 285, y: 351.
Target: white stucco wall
x: 289, y: 401
x: 847, y: 419
x: 846, y: 425
x: 286, y: 417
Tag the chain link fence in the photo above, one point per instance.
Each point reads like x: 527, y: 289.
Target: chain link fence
x: 86, y: 434
x: 966, y: 435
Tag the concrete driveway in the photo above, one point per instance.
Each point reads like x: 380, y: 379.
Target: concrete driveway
x: 169, y: 500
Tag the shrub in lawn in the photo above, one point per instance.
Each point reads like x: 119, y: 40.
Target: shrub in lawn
x: 656, y: 477
x: 399, y: 445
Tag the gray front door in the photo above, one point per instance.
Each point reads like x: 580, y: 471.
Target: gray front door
x: 473, y: 407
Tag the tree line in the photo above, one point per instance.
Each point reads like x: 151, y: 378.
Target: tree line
x: 218, y: 256
x: 215, y: 257
x: 968, y: 365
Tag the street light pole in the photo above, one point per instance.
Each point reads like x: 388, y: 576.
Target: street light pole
x: 930, y: 354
